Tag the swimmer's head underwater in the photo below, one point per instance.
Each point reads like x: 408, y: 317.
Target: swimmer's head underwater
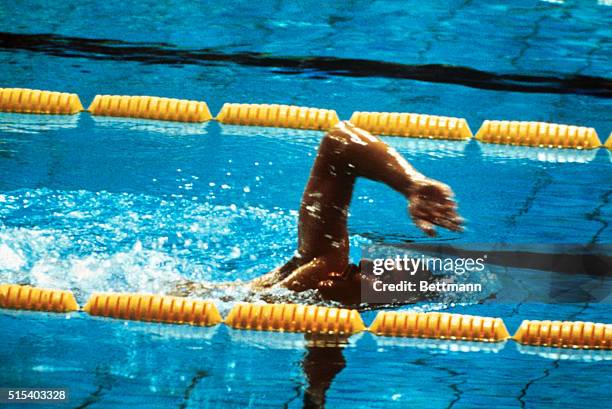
x: 321, y: 261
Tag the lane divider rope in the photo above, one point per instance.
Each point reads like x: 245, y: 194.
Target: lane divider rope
x: 295, y: 318
x: 34, y: 101
x: 167, y: 109
x: 412, y: 125
x: 522, y: 133
x: 285, y: 116
x: 156, y: 308
x: 439, y: 325
x: 538, y: 134
x: 25, y: 297
x: 317, y: 320
x: 565, y: 334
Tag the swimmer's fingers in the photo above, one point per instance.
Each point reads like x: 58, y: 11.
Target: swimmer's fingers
x: 427, y: 216
x: 419, y: 217
x: 432, y: 204
x: 444, y: 203
x: 453, y: 223
x: 446, y: 217
x: 426, y: 226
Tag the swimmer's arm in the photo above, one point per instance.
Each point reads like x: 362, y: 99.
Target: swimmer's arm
x: 267, y: 280
x: 277, y: 275
x: 307, y: 276
x: 431, y: 202
x: 185, y: 287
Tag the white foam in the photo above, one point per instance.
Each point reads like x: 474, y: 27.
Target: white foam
x: 9, y: 258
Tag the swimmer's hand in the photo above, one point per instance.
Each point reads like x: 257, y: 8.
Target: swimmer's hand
x: 432, y: 204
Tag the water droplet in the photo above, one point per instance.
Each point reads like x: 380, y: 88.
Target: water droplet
x: 235, y: 252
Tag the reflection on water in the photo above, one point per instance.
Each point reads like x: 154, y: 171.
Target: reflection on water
x: 290, y: 340
x: 321, y: 364
x: 440, y: 345
x: 566, y: 354
x: 150, y: 125
x: 291, y: 137
x: 433, y: 148
x: 164, y: 331
x: 32, y: 124
x: 506, y: 152
x: 322, y: 361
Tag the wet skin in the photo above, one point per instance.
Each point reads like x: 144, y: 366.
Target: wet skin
x: 346, y: 153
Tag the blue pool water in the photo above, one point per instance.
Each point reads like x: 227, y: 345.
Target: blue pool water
x: 100, y: 204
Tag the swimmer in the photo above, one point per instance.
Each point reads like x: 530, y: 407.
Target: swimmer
x: 321, y: 261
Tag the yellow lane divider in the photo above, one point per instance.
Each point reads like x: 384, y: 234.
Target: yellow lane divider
x: 540, y: 134
x: 565, y: 334
x: 439, y: 326
x: 295, y: 318
x: 284, y: 116
x: 25, y: 297
x: 522, y: 133
x: 33, y: 101
x: 316, y: 320
x: 156, y: 308
x: 412, y: 125
x: 167, y: 109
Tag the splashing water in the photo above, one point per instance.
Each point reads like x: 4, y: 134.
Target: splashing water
x: 104, y: 241
x: 96, y: 241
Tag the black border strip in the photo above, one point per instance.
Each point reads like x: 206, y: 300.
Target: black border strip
x: 314, y: 67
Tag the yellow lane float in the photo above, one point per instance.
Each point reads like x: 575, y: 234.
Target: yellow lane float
x: 33, y: 101
x: 439, y: 326
x: 539, y: 134
x: 295, y: 318
x: 412, y: 125
x: 165, y: 109
x: 156, y: 308
x: 282, y: 116
x: 25, y: 297
x: 565, y: 334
